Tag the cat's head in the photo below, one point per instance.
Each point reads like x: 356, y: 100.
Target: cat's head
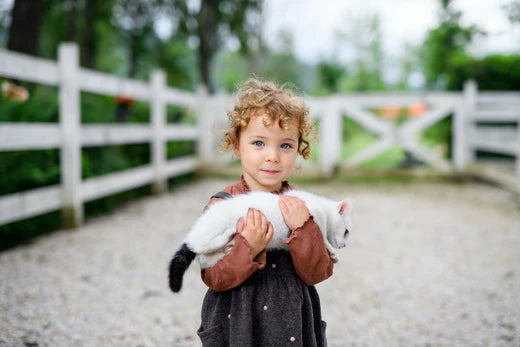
x: 340, y: 223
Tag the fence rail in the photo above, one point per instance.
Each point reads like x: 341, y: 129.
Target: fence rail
x: 469, y: 109
x: 70, y: 136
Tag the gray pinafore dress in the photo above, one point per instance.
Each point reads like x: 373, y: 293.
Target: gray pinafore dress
x: 273, y: 307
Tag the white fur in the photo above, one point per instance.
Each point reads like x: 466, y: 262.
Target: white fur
x: 213, y: 230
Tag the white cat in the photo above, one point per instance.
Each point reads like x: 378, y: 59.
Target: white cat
x: 212, y: 231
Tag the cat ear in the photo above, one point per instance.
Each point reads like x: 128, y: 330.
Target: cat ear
x: 345, y: 206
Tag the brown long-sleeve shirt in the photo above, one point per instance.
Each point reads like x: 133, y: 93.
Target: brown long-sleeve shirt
x: 310, y: 257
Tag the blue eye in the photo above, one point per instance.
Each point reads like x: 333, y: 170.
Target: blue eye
x: 258, y: 143
x: 286, y: 146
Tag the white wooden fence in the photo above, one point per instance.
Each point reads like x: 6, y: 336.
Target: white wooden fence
x: 490, y: 123
x: 70, y: 136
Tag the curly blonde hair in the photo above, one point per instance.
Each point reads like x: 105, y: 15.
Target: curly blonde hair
x: 277, y: 103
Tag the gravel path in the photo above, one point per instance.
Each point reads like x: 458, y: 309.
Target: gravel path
x: 427, y: 264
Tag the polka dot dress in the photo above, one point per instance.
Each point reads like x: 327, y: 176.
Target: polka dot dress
x: 274, y: 307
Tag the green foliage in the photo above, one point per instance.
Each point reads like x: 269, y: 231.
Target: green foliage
x: 177, y: 149
x: 178, y: 61
x: 97, y: 108
x: 438, y: 136
x: 444, y: 44
x: 494, y: 72
x: 362, y: 36
x: 97, y: 161
x: 213, y: 22
x: 513, y: 11
x: 391, y: 158
x: 329, y: 75
x: 24, y: 231
x: 111, y: 56
x: 112, y: 202
x: 180, y: 115
x: 410, y: 63
x: 282, y: 68
x: 355, y: 138
x: 229, y: 69
x: 42, y: 106
x: 363, y: 80
x: 24, y: 170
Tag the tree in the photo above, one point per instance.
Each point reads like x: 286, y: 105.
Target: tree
x: 493, y: 72
x: 135, y: 22
x: 86, y: 23
x: 513, y: 11
x: 178, y: 60
x: 24, y: 31
x: 362, y: 39
x: 229, y: 68
x: 211, y: 23
x: 444, y: 44
x: 410, y: 67
x: 329, y: 75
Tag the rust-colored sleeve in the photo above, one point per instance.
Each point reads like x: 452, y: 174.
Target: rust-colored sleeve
x: 310, y: 256
x: 236, y: 267
x: 232, y: 270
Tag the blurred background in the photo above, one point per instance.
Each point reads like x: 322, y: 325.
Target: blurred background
x: 104, y: 102
x: 323, y: 48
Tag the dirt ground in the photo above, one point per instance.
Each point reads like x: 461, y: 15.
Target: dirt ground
x: 427, y: 264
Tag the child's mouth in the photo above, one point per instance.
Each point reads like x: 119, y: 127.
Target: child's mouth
x: 270, y: 172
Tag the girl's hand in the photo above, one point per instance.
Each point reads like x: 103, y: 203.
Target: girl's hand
x: 294, y: 211
x: 258, y: 230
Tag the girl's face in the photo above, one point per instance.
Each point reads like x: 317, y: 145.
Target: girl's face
x: 267, y: 154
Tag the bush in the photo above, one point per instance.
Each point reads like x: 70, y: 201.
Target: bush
x: 494, y: 72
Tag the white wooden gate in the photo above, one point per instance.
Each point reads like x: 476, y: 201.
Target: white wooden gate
x: 331, y: 111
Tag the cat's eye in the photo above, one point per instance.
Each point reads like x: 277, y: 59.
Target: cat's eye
x: 346, y: 233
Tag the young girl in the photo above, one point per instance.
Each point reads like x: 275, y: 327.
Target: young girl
x: 259, y: 298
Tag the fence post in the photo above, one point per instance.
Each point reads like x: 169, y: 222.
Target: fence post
x: 70, y: 122
x: 470, y: 96
x: 158, y: 118
x: 517, y: 166
x: 331, y: 131
x: 463, y: 150
x: 205, y: 140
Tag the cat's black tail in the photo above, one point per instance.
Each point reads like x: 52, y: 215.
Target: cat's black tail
x: 179, y: 264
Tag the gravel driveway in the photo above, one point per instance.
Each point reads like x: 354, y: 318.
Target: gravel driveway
x: 427, y: 264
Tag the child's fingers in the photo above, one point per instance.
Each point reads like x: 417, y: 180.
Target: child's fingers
x: 250, y: 217
x: 263, y: 222
x: 240, y: 224
x: 258, y: 218
x: 282, y: 204
x: 270, y: 232
x: 293, y: 201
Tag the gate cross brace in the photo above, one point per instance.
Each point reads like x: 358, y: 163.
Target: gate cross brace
x: 406, y: 135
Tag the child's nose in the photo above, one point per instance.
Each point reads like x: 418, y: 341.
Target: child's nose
x: 272, y: 155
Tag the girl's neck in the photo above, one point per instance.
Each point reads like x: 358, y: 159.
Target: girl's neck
x: 247, y: 188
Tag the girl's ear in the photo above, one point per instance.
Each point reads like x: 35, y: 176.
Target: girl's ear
x: 236, y: 150
x: 345, y: 206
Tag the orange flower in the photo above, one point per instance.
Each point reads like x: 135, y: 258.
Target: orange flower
x: 417, y: 109
x: 122, y: 99
x: 390, y: 112
x: 14, y: 92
